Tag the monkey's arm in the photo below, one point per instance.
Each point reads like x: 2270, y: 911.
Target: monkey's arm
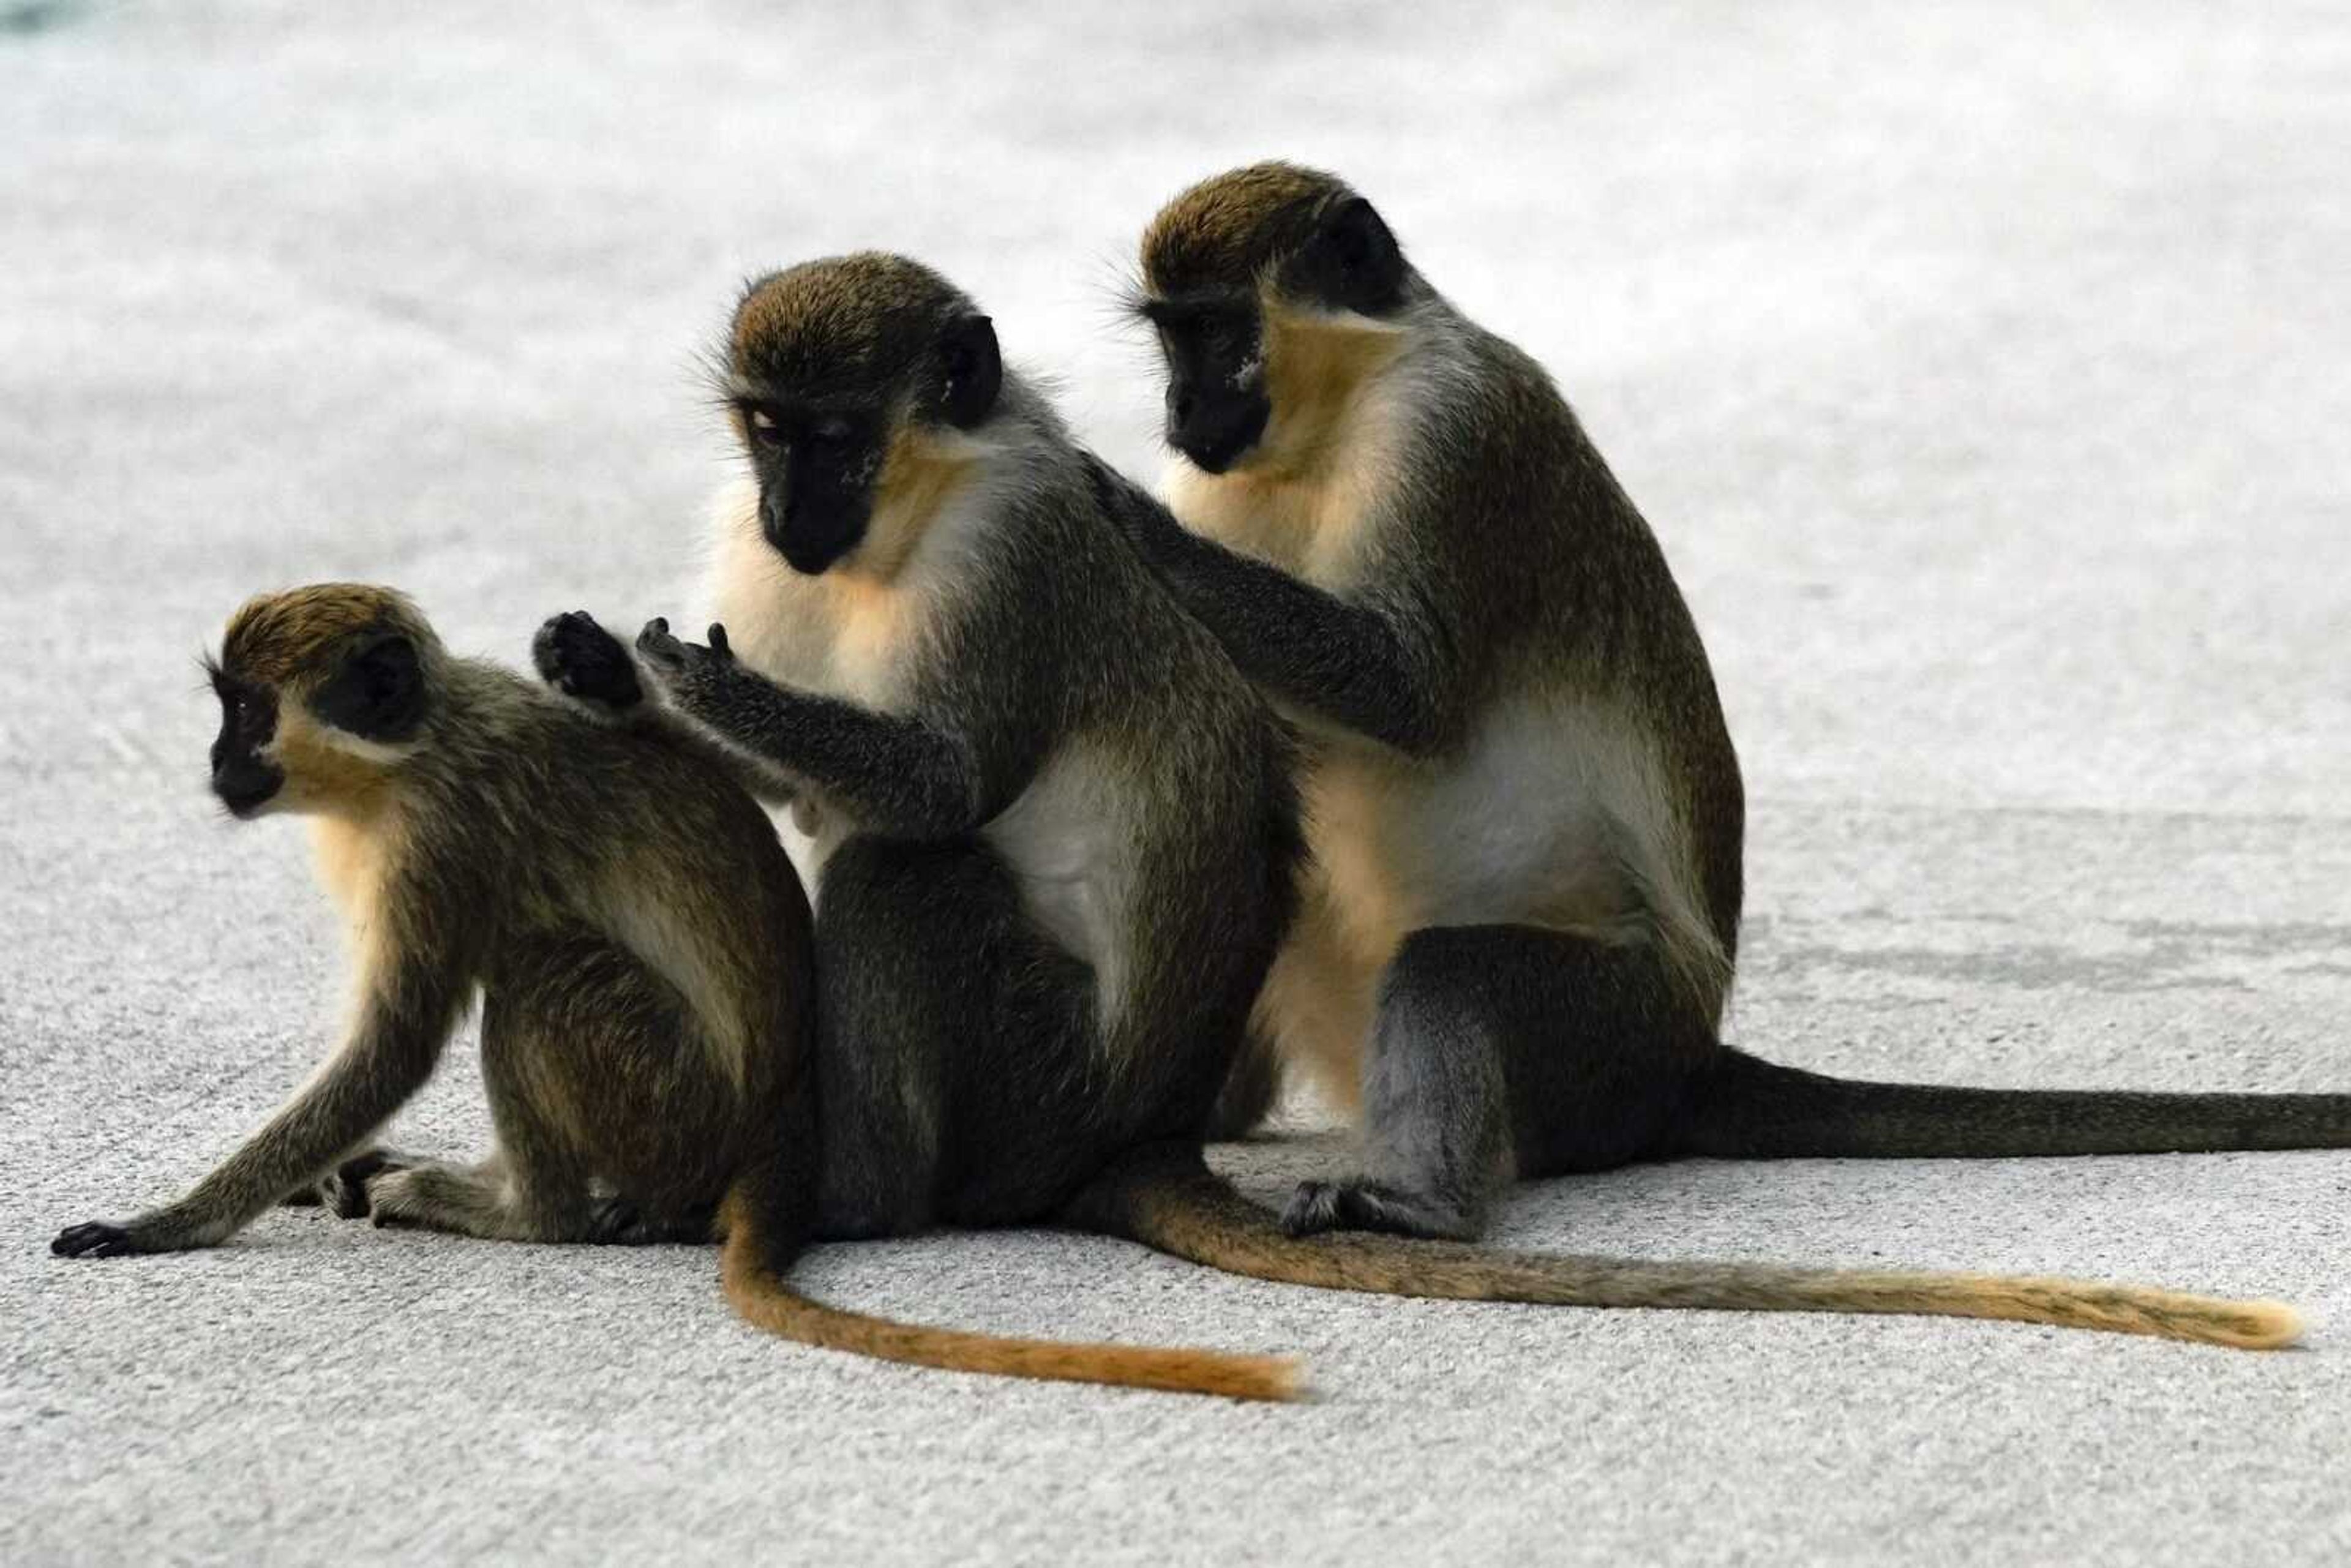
x: 1351, y: 665
x: 900, y: 774
x: 411, y: 1003
x: 586, y: 663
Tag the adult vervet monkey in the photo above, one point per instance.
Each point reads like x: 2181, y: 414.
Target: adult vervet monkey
x: 1526, y: 812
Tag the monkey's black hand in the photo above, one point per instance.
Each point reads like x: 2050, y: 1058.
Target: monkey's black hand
x: 157, y: 1230
x: 688, y: 672
x: 581, y: 659
x: 94, y: 1238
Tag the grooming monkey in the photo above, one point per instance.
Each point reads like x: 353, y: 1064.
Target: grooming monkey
x: 1525, y: 812
x: 1057, y: 839
x: 641, y: 945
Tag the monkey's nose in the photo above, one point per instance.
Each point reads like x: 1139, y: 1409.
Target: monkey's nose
x: 244, y: 787
x: 1217, y: 435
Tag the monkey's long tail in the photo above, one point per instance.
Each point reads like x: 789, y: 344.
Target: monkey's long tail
x: 1166, y: 1199
x: 753, y: 1280
x: 1743, y: 1107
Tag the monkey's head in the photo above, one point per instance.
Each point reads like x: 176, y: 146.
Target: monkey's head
x: 1271, y: 288
x: 322, y: 690
x: 854, y: 383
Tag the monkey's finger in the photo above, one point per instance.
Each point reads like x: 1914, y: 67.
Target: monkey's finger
x: 655, y: 643
x: 717, y: 635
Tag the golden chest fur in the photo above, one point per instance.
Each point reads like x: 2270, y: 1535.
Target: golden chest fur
x: 1551, y: 813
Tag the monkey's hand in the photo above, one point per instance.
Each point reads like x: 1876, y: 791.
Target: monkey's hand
x: 158, y: 1231
x: 689, y: 674
x: 581, y: 659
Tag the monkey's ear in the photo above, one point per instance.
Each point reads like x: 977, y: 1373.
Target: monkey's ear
x: 378, y: 695
x: 1353, y: 260
x: 975, y: 371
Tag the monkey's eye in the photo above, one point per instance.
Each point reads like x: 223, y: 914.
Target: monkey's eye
x: 763, y: 427
x: 834, y: 432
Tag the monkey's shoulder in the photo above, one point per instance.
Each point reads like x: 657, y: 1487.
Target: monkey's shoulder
x: 541, y: 758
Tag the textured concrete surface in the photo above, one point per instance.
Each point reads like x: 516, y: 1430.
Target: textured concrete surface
x: 1985, y: 373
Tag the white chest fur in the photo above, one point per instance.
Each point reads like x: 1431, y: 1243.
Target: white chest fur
x: 1554, y: 816
x: 1069, y: 841
x: 1543, y: 820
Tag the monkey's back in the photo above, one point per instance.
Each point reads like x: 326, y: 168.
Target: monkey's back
x: 626, y: 835
x: 1610, y: 625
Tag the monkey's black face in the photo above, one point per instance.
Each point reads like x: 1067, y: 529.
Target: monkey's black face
x: 243, y: 779
x: 819, y: 420
x: 817, y: 470
x: 1216, y: 403
x: 1212, y: 323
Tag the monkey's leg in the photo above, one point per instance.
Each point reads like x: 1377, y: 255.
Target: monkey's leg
x: 533, y: 1186
x: 1500, y: 1050
x: 885, y: 938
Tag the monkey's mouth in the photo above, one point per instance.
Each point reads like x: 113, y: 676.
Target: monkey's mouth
x: 245, y: 793
x: 1213, y: 440
x: 810, y: 551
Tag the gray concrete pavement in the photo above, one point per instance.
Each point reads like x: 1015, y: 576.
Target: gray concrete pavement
x: 1984, y: 372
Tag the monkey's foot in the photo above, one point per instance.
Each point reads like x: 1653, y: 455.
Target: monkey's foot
x: 1319, y: 1206
x: 344, y: 1189
x: 433, y: 1196
x: 617, y: 1222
